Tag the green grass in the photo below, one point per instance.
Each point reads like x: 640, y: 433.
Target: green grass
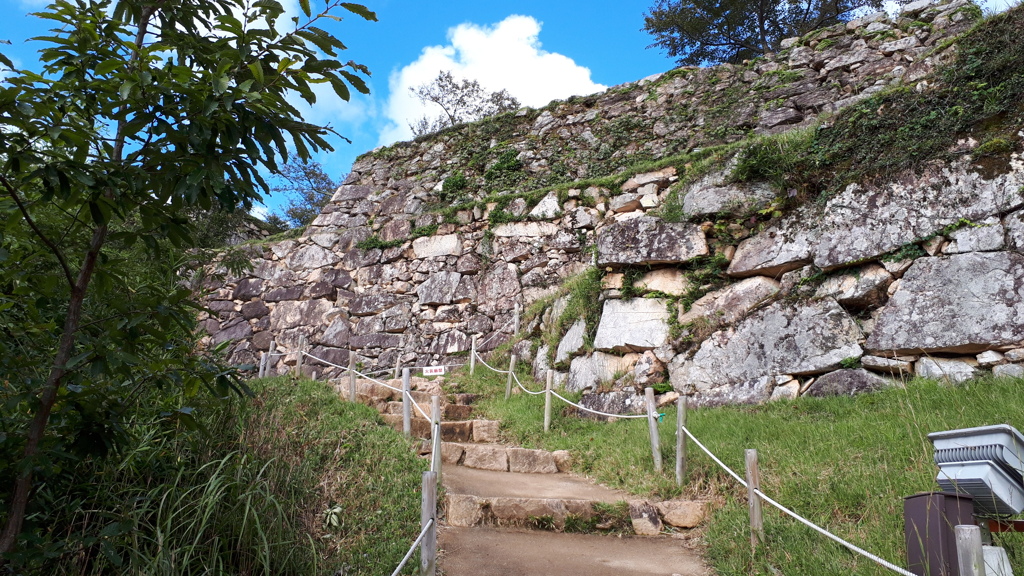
x: 250, y: 496
x: 844, y: 463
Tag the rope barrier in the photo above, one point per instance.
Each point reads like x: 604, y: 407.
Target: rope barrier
x: 496, y: 332
x: 853, y: 547
x: 416, y: 543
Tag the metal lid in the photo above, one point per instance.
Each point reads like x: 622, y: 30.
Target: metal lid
x: 1004, y: 428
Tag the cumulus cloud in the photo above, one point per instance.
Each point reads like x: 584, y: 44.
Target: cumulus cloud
x: 506, y: 55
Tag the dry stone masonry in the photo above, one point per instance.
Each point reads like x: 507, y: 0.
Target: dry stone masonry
x: 432, y: 243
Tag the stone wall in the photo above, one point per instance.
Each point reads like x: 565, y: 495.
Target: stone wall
x: 432, y: 242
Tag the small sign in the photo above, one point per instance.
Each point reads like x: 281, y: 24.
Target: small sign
x: 433, y: 371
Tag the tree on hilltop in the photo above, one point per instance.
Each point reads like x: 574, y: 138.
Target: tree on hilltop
x: 700, y: 32
x: 460, y: 101
x: 308, y: 188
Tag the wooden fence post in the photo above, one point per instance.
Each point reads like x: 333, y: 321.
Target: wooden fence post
x: 969, y: 553
x: 406, y: 404
x: 753, y: 500
x: 302, y: 356
x: 435, y: 435
x: 515, y: 321
x: 680, y: 440
x: 351, y: 375
x: 511, y: 370
x: 270, y: 357
x: 652, y: 426
x: 472, y: 356
x: 428, y: 513
x: 398, y: 364
x: 262, y: 365
x: 547, y: 400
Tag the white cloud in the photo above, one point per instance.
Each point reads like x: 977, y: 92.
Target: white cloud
x: 260, y: 211
x: 507, y: 55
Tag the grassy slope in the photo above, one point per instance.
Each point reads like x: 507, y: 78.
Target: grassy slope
x: 844, y: 463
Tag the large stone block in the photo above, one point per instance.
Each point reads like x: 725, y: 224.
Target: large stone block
x: 846, y: 383
x: 531, y: 461
x: 572, y: 342
x: 432, y: 246
x: 864, y: 287
x: 775, y: 251
x: 291, y: 314
x: 486, y: 457
x: 649, y: 240
x: 526, y: 229
x: 439, y: 288
x: 498, y: 289
x: 589, y: 371
x: 962, y: 303
x: 632, y: 325
x: 716, y: 193
x: 311, y: 256
x: 784, y: 338
x: 731, y: 303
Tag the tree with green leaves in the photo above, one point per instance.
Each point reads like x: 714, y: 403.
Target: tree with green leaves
x: 460, y: 101
x: 308, y: 188
x: 699, y: 32
x: 143, y: 111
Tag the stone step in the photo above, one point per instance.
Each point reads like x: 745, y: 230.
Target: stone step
x: 501, y: 458
x: 449, y: 412
x: 486, y: 497
x: 460, y: 431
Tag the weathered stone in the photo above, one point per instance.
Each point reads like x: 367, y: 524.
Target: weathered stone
x: 860, y: 289
x: 451, y: 453
x: 291, y: 314
x: 1008, y: 370
x: 439, y: 288
x: 531, y: 461
x: 468, y: 264
x: 262, y: 340
x: 632, y: 325
x: 525, y: 230
x: 989, y: 358
x: 254, y: 309
x: 572, y: 342
x: 893, y: 366
x: 374, y: 340
x: 774, y: 252
x: 396, y: 230
x: 906, y: 43
x: 498, y: 289
x: 464, y: 510
x: 644, y: 518
x: 756, y: 391
x: 434, y: 246
x: 780, y: 117
x: 846, y: 383
x: 311, y: 256
x: 337, y: 334
x: 954, y: 371
x: 662, y: 177
x: 237, y: 329
x: 563, y: 460
x: 787, y: 391
x: 671, y: 281
x: 649, y: 240
x: 320, y: 290
x: 962, y: 303
x: 485, y: 431
x: 325, y: 355
x: 351, y: 192
x: 486, y: 457
x: 451, y: 342
x: 547, y: 208
x: 731, y: 303
x: 370, y: 304
x: 1014, y: 355
x: 717, y: 193
x: 649, y: 370
x: 626, y: 202
x: 582, y: 218
x: 586, y: 372
x: 784, y: 338
x: 986, y: 236
x: 681, y: 513
x: 450, y: 431
x: 615, y: 402
x: 248, y: 289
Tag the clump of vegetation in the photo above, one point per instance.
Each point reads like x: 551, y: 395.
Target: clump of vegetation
x: 506, y: 171
x: 453, y: 186
x: 375, y: 242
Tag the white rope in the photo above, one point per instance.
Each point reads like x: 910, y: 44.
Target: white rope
x: 804, y: 521
x: 524, y: 388
x: 482, y: 361
x: 414, y: 545
x: 358, y: 373
x: 498, y: 331
x: 571, y: 403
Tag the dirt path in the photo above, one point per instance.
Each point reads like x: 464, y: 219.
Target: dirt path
x: 509, y: 552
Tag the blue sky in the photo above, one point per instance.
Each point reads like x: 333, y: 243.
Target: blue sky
x: 538, y: 50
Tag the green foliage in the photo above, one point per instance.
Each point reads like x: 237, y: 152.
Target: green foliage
x: 452, y: 186
x: 994, y: 147
x: 143, y: 113
x: 245, y: 497
x: 308, y: 188
x: 506, y: 171
x: 421, y: 231
x: 460, y: 101
x: 700, y: 32
x: 850, y: 363
x: 909, y: 251
x: 375, y: 242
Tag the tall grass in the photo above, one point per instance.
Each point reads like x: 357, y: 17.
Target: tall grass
x: 250, y: 496
x: 844, y: 463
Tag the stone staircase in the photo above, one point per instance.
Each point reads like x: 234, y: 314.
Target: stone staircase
x: 523, y: 500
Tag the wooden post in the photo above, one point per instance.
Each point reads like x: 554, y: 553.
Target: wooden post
x: 652, y: 426
x: 398, y: 364
x: 270, y: 357
x: 262, y: 366
x: 472, y: 356
x: 511, y: 370
x: 515, y: 320
x: 547, y: 400
x: 351, y: 375
x: 969, y: 553
x: 428, y: 512
x: 680, y: 440
x: 435, y: 435
x: 406, y: 404
x: 302, y: 356
x: 753, y: 500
